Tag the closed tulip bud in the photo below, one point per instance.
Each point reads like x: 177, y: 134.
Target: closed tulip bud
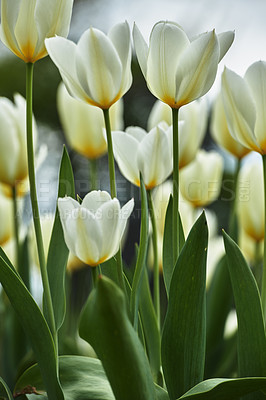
x: 13, y: 145
x: 6, y: 219
x: 137, y: 151
x: 83, y: 124
x: 98, y: 69
x: 94, y: 228
x: 220, y: 131
x: 244, y: 104
x: 178, y: 70
x: 26, y: 23
x: 250, y: 199
x: 200, y: 181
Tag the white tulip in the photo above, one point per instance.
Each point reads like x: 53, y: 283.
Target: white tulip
x: 178, y: 70
x: 94, y: 228
x: 97, y: 70
x: 6, y: 219
x: 26, y: 23
x: 137, y: 151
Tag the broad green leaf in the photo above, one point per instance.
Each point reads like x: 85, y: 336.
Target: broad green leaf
x: 81, y: 377
x: 5, y: 392
x: 150, y: 327
x: 184, y: 331
x: 168, y: 263
x: 109, y: 269
x: 58, y: 251
x: 106, y: 326
x: 35, y: 326
x: 251, y: 334
x: 224, y: 389
x: 142, y: 252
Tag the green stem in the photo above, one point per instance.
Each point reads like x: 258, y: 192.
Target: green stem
x: 16, y: 227
x: 233, y: 216
x: 93, y: 174
x: 34, y: 204
x: 156, y: 273
x: 94, y: 274
x: 263, y: 283
x: 175, y: 184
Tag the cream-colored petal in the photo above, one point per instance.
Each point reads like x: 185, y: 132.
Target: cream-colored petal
x: 197, y: 68
x: 225, y: 41
x: 99, y: 67
x: 95, y: 199
x: 167, y: 43
x: 159, y: 112
x: 256, y: 79
x: 141, y: 49
x: 239, y: 109
x: 65, y: 206
x: 125, y: 152
x: 9, y: 16
x: 125, y: 213
x: 136, y: 132
x: 63, y: 54
x: 154, y: 158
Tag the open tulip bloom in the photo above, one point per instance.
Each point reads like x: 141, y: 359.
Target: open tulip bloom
x: 94, y: 228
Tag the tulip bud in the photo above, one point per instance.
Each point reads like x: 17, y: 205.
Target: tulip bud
x: 26, y: 23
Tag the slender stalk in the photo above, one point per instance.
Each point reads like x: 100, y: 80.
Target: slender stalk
x: 16, y: 227
x: 93, y: 174
x: 263, y: 283
x: 34, y: 204
x: 94, y: 274
x: 156, y: 274
x: 232, y: 217
x: 175, y: 184
x: 111, y: 164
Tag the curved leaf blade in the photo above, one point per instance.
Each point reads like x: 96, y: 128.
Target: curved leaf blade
x: 5, y: 391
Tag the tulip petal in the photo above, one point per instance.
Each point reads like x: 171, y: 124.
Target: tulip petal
x: 65, y: 206
x: 135, y: 131
x: 154, y: 158
x: 225, y: 41
x: 9, y: 15
x: 63, y: 54
x: 256, y: 79
x: 239, y: 109
x: 95, y: 199
x: 141, y: 49
x: 99, y: 68
x: 167, y: 43
x: 125, y: 152
x: 125, y: 213
x: 197, y: 68
x: 120, y: 37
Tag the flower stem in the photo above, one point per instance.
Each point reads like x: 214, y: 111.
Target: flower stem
x: 93, y: 174
x: 175, y: 184
x: 94, y: 274
x: 156, y: 275
x: 111, y: 164
x: 233, y: 217
x: 34, y: 204
x: 16, y: 227
x: 263, y: 284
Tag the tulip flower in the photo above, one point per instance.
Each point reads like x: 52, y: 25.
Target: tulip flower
x: 200, y: 181
x: 250, y: 198
x: 83, y: 124
x: 220, y: 131
x: 178, y: 70
x: 137, y: 151
x: 252, y: 250
x: 94, y: 228
x: 26, y: 23
x: 97, y: 69
x: 13, y: 147
x: 6, y: 219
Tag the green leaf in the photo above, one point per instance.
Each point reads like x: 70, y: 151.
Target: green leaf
x: 225, y: 389
x: 34, y: 325
x: 106, y: 326
x: 5, y: 392
x: 251, y: 334
x: 109, y: 269
x: 184, y: 332
x: 58, y: 251
x: 168, y: 263
x: 150, y: 327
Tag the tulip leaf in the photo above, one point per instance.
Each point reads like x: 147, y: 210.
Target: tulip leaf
x: 184, y: 331
x: 251, y: 334
x: 5, y: 392
x: 142, y: 252
x: 168, y: 263
x: 58, y: 251
x: 109, y: 269
x: 224, y: 389
x: 35, y: 326
x: 105, y: 325
x: 150, y: 327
